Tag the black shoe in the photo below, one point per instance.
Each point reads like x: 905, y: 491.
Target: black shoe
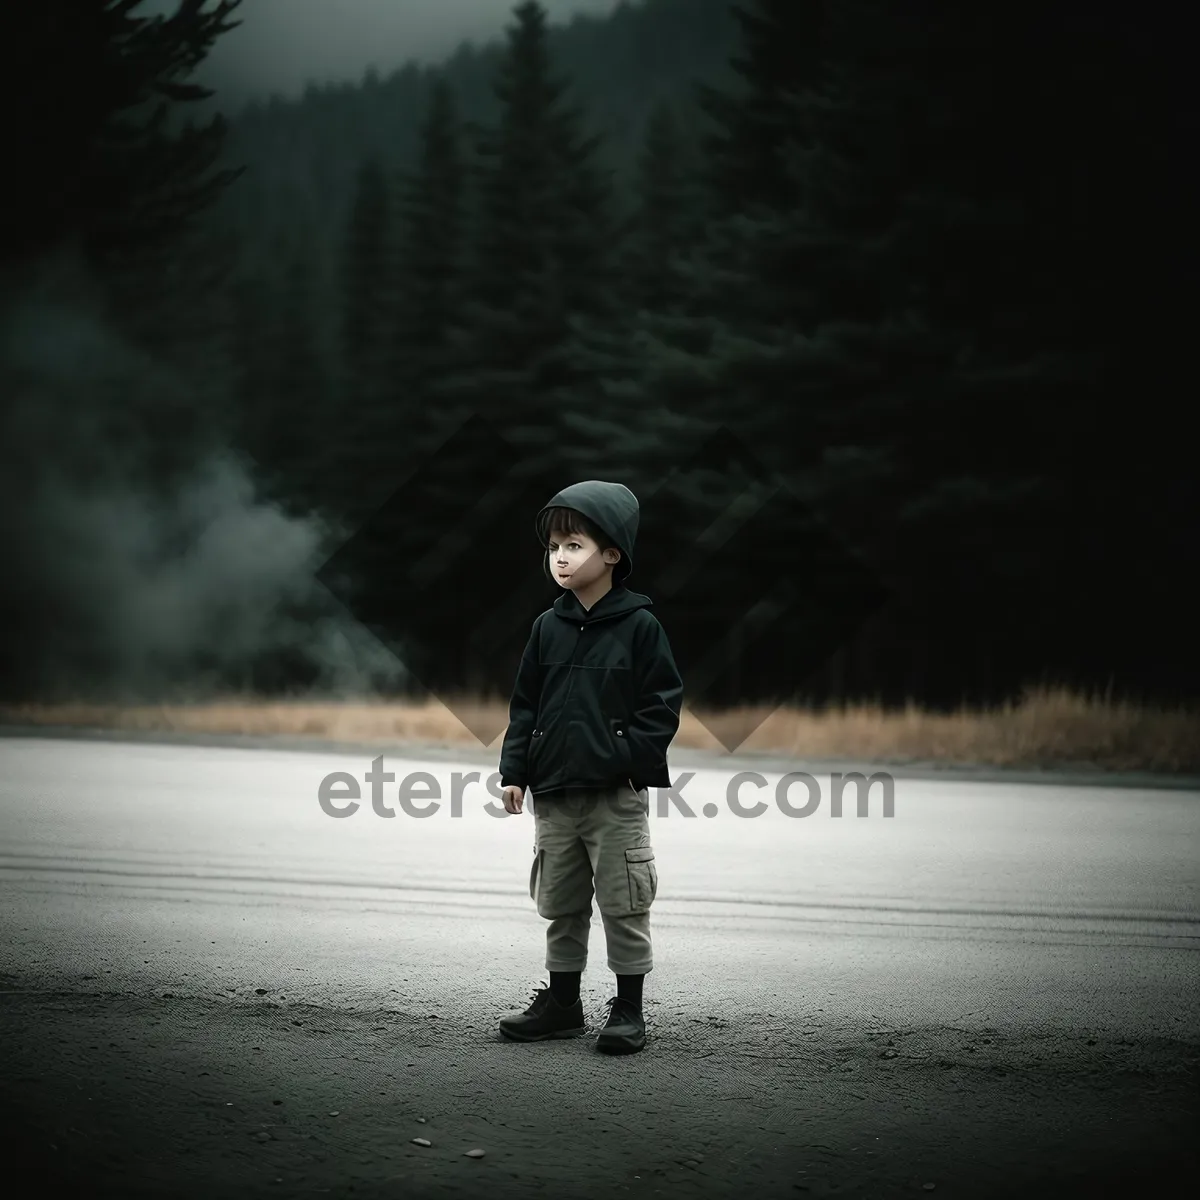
x: 625, y: 1031
x: 544, y: 1018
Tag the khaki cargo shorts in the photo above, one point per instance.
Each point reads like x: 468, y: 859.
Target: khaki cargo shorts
x: 592, y: 841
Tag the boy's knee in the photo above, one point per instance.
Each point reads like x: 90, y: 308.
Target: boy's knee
x: 558, y: 888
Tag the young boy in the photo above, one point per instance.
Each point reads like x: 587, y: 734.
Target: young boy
x: 594, y: 708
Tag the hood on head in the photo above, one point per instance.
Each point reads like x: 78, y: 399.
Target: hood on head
x: 612, y: 506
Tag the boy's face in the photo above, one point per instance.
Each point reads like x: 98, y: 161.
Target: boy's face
x: 576, y: 561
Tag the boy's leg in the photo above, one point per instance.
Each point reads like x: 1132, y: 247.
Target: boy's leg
x: 618, y: 836
x: 561, y: 885
x: 617, y: 832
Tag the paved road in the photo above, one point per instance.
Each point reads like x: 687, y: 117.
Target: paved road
x: 1027, y: 931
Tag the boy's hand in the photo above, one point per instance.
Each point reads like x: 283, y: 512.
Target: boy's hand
x: 514, y: 798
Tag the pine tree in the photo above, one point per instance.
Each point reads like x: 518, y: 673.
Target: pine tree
x: 290, y: 425
x: 107, y: 175
x: 366, y: 297
x: 306, y: 416
x: 404, y: 429
x: 95, y: 152
x: 780, y: 55
x: 431, y: 264
x: 543, y: 250
x: 254, y: 352
x: 761, y: 330
x: 667, y: 217
x: 726, y: 304
x: 921, y: 320
x: 365, y: 390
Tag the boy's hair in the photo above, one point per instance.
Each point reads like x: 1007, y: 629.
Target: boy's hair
x: 568, y: 520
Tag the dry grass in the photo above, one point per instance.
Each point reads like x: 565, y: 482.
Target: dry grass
x: 1048, y: 727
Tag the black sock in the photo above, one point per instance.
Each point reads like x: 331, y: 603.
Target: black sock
x: 629, y: 987
x: 564, y: 986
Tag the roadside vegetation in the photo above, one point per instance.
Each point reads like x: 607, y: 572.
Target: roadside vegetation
x: 1047, y: 727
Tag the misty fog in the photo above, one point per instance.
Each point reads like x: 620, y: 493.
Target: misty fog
x: 136, y: 588
x: 283, y: 44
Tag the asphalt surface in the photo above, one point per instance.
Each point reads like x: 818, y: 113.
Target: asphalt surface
x: 209, y: 984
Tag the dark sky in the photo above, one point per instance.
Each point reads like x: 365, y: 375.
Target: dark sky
x: 282, y: 44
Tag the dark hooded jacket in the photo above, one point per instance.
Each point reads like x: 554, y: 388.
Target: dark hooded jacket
x: 598, y: 695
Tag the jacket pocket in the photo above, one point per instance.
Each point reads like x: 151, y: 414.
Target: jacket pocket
x: 619, y: 737
x: 643, y: 877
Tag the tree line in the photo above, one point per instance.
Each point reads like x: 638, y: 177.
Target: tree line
x: 887, y: 325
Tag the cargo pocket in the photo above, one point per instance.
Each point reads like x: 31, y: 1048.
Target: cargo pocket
x: 643, y: 877
x: 534, y: 873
